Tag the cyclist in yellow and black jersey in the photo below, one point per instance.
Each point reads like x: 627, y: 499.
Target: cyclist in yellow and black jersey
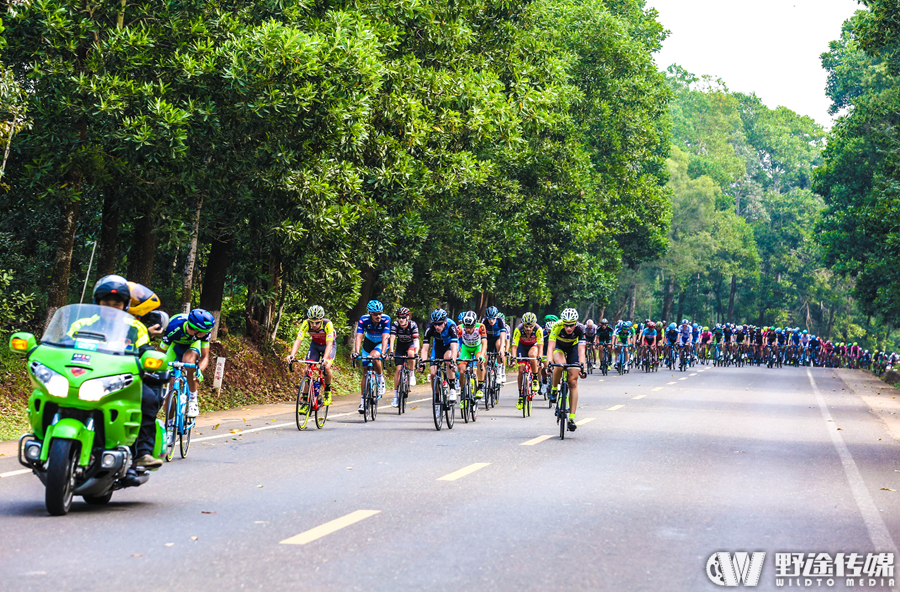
x: 322, y: 344
x: 567, y: 346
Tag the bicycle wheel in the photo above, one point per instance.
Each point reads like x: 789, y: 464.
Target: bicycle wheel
x: 488, y: 387
x: 473, y: 410
x: 436, y: 402
x: 185, y: 438
x: 321, y: 412
x: 401, y: 391
x: 171, y: 423
x: 562, y: 409
x: 367, y: 399
x: 449, y: 414
x: 465, y: 393
x: 373, y: 399
x: 302, y: 410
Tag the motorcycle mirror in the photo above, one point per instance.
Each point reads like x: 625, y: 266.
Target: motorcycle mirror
x: 22, y: 343
x: 152, y: 361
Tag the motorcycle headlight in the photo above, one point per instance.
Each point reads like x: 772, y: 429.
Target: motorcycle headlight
x: 97, y: 388
x: 55, y: 383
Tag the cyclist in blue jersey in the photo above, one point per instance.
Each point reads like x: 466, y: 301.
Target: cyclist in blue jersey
x: 186, y: 339
x: 497, y: 331
x: 445, y: 335
x: 372, y: 334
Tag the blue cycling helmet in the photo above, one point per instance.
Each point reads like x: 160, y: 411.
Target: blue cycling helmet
x: 492, y: 312
x: 805, y: 332
x: 778, y: 331
x: 695, y: 326
x: 201, y: 320
x: 438, y: 315
x: 374, y: 306
x: 673, y: 326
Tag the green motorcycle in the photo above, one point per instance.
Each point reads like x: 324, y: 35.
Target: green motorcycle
x: 85, y: 409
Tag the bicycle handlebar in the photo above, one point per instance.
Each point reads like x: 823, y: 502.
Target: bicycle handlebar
x: 295, y: 361
x: 182, y: 365
x: 564, y: 365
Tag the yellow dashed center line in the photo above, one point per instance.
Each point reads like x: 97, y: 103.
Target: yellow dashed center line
x: 614, y: 407
x: 694, y: 374
x: 639, y: 397
x: 585, y: 420
x: 683, y: 378
x: 659, y: 388
x: 671, y: 383
x: 463, y: 472
x: 534, y: 441
x: 329, y: 527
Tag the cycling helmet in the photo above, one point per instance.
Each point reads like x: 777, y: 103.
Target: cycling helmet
x: 805, y: 332
x: 529, y: 318
x: 778, y: 331
x: 627, y: 324
x: 646, y: 320
x: 706, y: 328
x: 469, y: 318
x: 201, y: 320
x: 403, y: 312
x: 569, y: 316
x: 684, y: 321
x: 112, y: 286
x: 812, y: 336
x: 589, y: 323
x: 855, y: 344
x: 374, y: 306
x: 695, y: 326
x: 460, y: 316
x: 651, y: 325
x: 604, y: 322
x: 143, y: 299
x: 315, y: 313
x: 492, y: 312
x: 551, y: 319
x: 500, y: 315
x: 438, y: 315
x: 673, y: 326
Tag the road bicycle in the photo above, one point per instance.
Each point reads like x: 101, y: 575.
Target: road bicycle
x: 403, y: 384
x: 492, y: 381
x: 684, y: 354
x: 370, y: 391
x: 441, y: 406
x: 178, y: 425
x: 310, y: 400
x: 591, y: 358
x: 526, y: 394
x: 468, y: 404
x: 562, y: 398
x: 605, y: 358
x: 623, y: 358
x: 718, y: 357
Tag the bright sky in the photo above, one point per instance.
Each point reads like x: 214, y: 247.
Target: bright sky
x: 770, y: 47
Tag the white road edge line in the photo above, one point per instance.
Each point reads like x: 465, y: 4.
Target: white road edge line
x: 14, y: 473
x: 280, y: 425
x: 878, y: 532
x: 329, y: 527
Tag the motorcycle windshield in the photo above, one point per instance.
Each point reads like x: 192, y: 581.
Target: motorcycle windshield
x: 93, y: 328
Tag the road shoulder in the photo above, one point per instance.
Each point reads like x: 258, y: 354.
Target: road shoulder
x: 883, y: 399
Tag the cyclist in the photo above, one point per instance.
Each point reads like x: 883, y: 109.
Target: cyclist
x: 549, y: 321
x: 590, y: 334
x: 446, y: 343
x: 648, y: 339
x: 528, y: 341
x: 624, y: 339
x: 814, y: 347
x: 672, y: 334
x: 372, y: 334
x: 472, y: 348
x: 186, y: 340
x: 113, y: 291
x: 685, y: 336
x: 567, y: 347
x: 604, y: 339
x: 404, y: 342
x: 322, y: 344
x: 705, y: 339
x: 495, y: 331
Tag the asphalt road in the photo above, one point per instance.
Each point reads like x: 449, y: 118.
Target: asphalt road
x: 663, y: 471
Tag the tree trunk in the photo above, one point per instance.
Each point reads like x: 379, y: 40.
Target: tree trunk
x: 188, y: 283
x: 365, y: 294
x: 274, y: 333
x: 731, y: 298
x: 58, y: 293
x: 143, y: 251
x: 482, y: 304
x: 667, y: 298
x: 109, y: 232
x: 602, y: 312
x: 632, y: 302
x: 213, y: 289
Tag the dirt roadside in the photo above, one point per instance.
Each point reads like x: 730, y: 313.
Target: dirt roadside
x: 883, y: 399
